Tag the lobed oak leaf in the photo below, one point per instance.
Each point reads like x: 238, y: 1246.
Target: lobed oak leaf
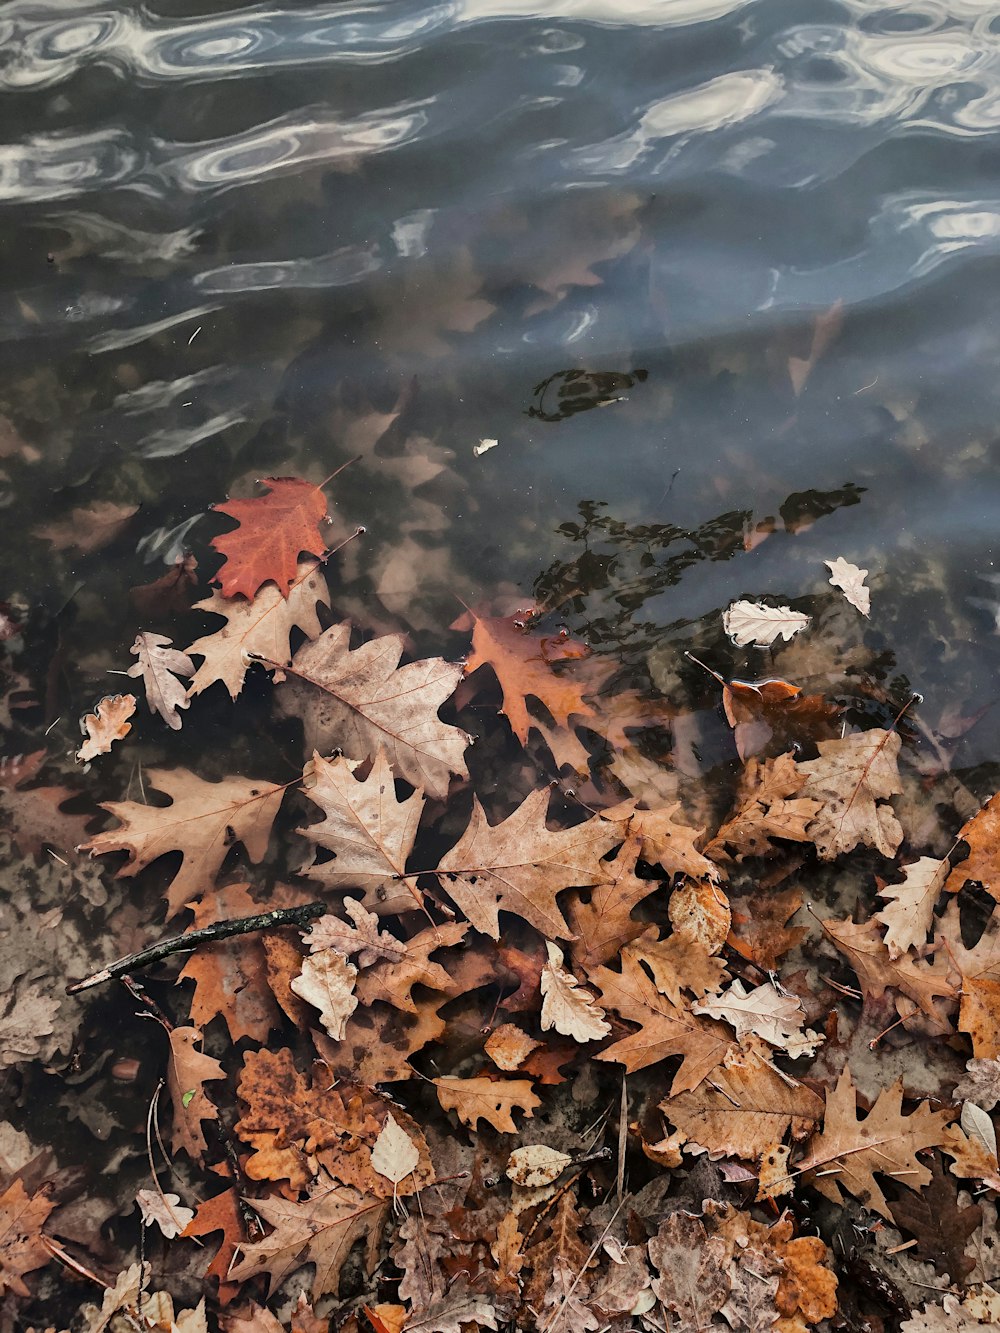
x: 665, y: 1028
x: 475, y: 1099
x: 910, y: 911
x: 273, y: 530
x: 754, y: 623
x: 866, y: 951
x: 851, y: 582
x: 700, y: 915
x: 367, y: 828
x: 520, y: 866
x: 977, y: 971
x: 954, y: 1315
x: 771, y: 1014
x: 363, y: 937
x: 563, y: 1240
x: 188, y: 1070
x: 760, y: 932
x: 847, y: 1154
x: 201, y: 822
x: 219, y: 1213
x: 362, y: 701
x: 980, y: 1085
x: 22, y: 1249
x: 743, y: 1108
x: 327, y: 983
x: 522, y: 663
x: 320, y: 1230
x: 160, y: 667
x: 853, y: 780
x: 105, y: 725
x: 28, y: 1016
x: 378, y: 1042
x: 982, y: 836
x: 230, y: 976
x: 603, y: 923
x: 460, y: 1308
x: 164, y: 1211
x: 393, y: 979
x: 566, y: 1006
x: 669, y: 842
x: 568, y: 1314
x: 767, y: 808
x: 678, y: 963
x: 260, y: 629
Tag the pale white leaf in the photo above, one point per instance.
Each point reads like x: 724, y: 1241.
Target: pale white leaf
x: 395, y: 1154
x: 327, y: 983
x: 851, y: 582
x: 483, y: 447
x: 766, y: 1012
x: 566, y: 1006
x: 910, y: 910
x: 754, y: 623
x: 163, y: 1210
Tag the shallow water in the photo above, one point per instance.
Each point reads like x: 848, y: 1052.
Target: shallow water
x: 247, y: 241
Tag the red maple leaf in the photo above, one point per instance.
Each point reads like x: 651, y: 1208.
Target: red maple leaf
x: 273, y: 530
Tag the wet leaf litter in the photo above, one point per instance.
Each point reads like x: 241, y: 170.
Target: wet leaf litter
x: 467, y: 1056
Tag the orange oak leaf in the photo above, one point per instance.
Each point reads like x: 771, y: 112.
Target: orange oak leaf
x: 230, y: 976
x: 105, y: 725
x: 665, y: 1028
x: 475, y: 1099
x: 982, y: 866
x: 188, y: 1070
x: 220, y: 1213
x: 201, y: 822
x: 393, y: 979
x: 257, y: 630
x: 976, y: 972
x: 522, y: 664
x: 273, y: 530
x: 363, y: 701
x: 367, y: 828
x: 22, y: 1249
x: 848, y: 1153
x: 320, y: 1230
x: 520, y: 866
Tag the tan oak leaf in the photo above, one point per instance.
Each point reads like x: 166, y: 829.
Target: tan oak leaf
x: 22, y: 1249
x: 105, y: 725
x: 767, y: 1012
x: 202, y: 821
x: 866, y: 951
x: 475, y: 1099
x: 363, y: 701
x: 848, y: 1153
x: 520, y: 866
x: 853, y: 780
x: 327, y: 983
x: 257, y: 630
x: 187, y: 1073
x: 767, y: 809
x: 754, y: 623
x: 367, y: 828
x: 909, y: 913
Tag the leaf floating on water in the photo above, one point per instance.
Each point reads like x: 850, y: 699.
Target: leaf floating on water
x: 274, y: 530
x: 851, y: 582
x: 105, y: 725
x: 754, y: 623
x: 483, y: 447
x: 159, y: 665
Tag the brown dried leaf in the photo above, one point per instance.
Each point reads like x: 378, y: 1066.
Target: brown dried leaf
x: 159, y: 665
x: 22, y: 1249
x: 910, y: 912
x: 89, y: 528
x: 982, y: 866
x: 188, y: 1071
x: 853, y: 779
x: 604, y: 922
x: 473, y: 1099
x: 767, y: 808
x: 760, y: 932
x: 327, y: 983
x: 692, y: 1281
x: 105, y: 725
x: 866, y: 951
x: 566, y: 1006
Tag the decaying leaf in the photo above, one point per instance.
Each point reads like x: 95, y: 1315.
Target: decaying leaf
x: 766, y: 1012
x: 853, y: 780
x: 89, y: 528
x: 164, y: 1211
x: 105, y: 725
x: 22, y: 1250
x: 692, y: 1282
x: 566, y: 1005
x: 754, y: 623
x: 187, y: 1073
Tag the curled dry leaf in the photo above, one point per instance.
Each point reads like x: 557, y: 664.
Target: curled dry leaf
x: 566, y: 1006
x: 508, y: 1046
x: 105, y: 725
x: 159, y: 665
x: 850, y: 580
x: 754, y: 623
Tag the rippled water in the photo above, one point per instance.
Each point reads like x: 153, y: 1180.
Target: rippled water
x: 242, y: 240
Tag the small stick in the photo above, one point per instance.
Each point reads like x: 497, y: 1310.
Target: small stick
x: 220, y: 930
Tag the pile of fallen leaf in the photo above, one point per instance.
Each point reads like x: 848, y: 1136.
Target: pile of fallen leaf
x: 556, y: 1062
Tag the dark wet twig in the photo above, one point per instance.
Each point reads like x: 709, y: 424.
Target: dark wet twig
x: 219, y: 930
